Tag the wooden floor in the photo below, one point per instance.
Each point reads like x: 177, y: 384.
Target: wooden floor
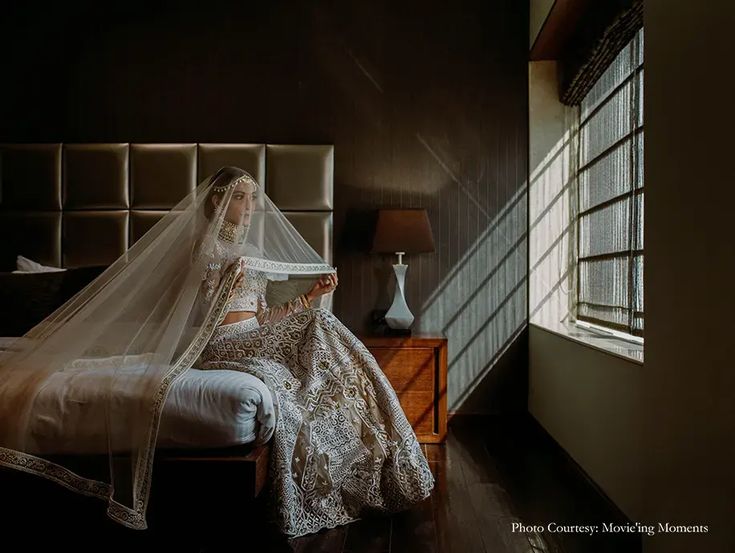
x: 490, y: 474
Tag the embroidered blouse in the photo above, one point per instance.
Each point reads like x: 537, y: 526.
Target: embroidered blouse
x: 249, y: 295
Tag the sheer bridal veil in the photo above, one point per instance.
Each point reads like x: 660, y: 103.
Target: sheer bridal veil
x: 81, y: 394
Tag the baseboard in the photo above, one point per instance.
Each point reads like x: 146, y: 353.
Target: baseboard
x: 617, y: 513
x: 460, y: 415
x: 536, y: 427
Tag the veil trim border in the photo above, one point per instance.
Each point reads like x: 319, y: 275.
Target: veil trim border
x: 285, y: 267
x: 131, y: 517
x: 186, y: 360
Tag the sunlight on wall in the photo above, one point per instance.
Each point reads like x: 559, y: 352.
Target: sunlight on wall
x: 551, y: 236
x: 481, y: 305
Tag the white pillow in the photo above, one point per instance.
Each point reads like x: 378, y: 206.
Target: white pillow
x: 25, y: 265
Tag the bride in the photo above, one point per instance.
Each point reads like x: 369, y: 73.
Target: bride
x: 192, y: 294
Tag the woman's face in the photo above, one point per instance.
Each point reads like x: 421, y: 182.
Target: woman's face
x: 241, y: 204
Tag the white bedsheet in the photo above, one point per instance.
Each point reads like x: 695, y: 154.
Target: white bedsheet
x: 203, y: 409
x: 217, y: 408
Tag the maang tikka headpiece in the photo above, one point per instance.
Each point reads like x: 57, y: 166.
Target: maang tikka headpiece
x: 245, y: 177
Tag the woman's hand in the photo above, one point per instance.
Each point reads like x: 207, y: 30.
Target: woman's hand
x: 325, y: 284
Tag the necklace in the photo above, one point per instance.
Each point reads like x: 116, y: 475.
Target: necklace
x: 231, y: 232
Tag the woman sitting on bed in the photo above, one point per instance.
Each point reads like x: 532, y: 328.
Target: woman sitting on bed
x: 342, y: 444
x: 191, y: 293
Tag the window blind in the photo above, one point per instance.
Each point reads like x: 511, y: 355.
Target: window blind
x: 611, y: 195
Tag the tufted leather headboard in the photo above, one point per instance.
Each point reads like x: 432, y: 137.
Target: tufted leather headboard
x: 74, y: 205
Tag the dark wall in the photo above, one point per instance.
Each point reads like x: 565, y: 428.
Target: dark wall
x: 688, y: 424
x: 425, y: 102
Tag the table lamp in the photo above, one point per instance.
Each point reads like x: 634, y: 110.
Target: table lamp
x: 402, y: 231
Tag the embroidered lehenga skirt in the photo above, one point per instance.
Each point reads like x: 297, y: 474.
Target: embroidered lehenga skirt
x: 342, y: 445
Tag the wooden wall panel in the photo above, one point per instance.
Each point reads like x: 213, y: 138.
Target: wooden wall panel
x: 426, y: 104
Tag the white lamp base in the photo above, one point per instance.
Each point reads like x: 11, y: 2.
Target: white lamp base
x: 399, y: 316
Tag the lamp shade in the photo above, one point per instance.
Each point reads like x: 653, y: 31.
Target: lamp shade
x: 403, y: 230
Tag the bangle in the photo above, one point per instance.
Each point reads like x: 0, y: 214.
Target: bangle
x: 305, y: 301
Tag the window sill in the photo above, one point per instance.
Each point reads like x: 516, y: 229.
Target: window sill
x: 630, y: 351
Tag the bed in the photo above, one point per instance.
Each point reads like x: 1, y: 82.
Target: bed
x: 82, y: 205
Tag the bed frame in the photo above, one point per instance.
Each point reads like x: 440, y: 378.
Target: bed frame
x: 76, y: 205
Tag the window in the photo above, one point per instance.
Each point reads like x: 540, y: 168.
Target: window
x: 610, y: 196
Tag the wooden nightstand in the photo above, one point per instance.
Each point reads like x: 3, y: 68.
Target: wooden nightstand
x: 417, y: 368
